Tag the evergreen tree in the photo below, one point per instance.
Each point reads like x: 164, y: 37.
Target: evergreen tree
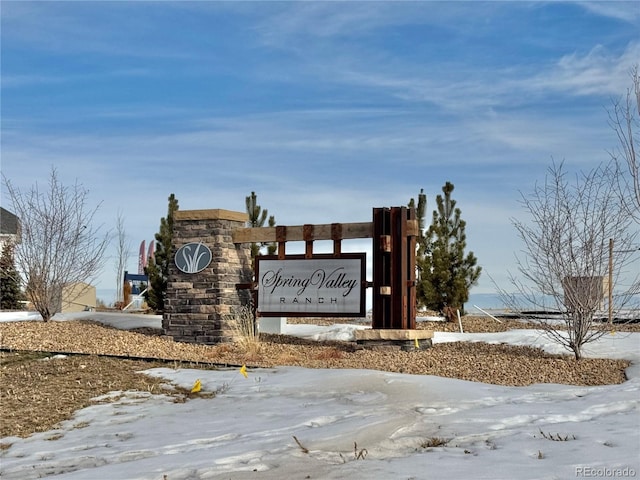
x: 10, y: 294
x: 421, y: 242
x: 446, y: 273
x: 158, y: 266
x: 257, y: 218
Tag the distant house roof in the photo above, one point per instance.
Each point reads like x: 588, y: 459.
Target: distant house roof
x: 9, y: 223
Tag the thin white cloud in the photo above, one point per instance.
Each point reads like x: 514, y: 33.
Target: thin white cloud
x: 291, y: 22
x: 110, y: 29
x: 599, y: 72
x: 324, y: 20
x: 463, y: 88
x: 627, y: 11
x: 320, y: 35
x: 17, y: 81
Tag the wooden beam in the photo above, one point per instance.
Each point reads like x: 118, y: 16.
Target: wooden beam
x: 320, y: 232
x: 296, y: 233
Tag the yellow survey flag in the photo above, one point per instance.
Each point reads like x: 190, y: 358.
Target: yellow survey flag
x: 243, y: 371
x: 196, y: 386
x: 417, y: 344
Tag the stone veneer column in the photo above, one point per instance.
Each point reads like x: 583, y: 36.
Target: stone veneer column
x: 196, y: 304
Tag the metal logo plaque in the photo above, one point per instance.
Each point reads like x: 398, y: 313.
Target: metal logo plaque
x: 193, y: 257
x: 323, y: 285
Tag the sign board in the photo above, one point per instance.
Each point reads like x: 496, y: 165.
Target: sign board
x: 320, y: 286
x: 193, y: 257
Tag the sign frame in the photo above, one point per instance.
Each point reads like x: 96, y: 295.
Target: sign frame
x: 361, y: 286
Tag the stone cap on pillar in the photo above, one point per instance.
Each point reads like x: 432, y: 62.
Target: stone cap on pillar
x: 211, y: 214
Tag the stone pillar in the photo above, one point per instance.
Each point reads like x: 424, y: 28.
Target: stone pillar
x: 196, y: 303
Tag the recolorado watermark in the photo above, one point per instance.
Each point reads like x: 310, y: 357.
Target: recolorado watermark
x: 605, y: 472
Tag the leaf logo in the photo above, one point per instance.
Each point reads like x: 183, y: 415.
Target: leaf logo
x: 193, y: 257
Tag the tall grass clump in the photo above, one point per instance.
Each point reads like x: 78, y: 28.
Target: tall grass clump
x: 243, y: 326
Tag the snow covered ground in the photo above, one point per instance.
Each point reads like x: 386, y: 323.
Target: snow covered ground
x: 349, y: 424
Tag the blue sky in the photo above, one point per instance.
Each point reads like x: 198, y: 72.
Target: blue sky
x: 324, y: 109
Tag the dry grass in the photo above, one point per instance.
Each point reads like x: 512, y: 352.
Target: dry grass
x: 243, y: 325
x: 38, y: 392
x: 434, y: 442
x: 330, y: 353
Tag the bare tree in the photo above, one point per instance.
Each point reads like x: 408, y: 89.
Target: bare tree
x: 624, y: 119
x: 566, y: 253
x: 60, y: 247
x: 123, y: 250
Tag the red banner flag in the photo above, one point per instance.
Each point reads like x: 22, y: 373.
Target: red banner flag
x: 141, y: 260
x: 151, y: 252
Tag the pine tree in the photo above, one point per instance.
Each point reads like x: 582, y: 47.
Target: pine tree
x: 446, y: 274
x: 10, y: 294
x: 257, y: 218
x: 158, y: 266
x: 421, y: 209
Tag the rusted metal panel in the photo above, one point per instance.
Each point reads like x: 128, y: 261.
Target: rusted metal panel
x: 411, y: 267
x: 392, y: 321
x: 381, y: 270
x: 398, y: 217
x: 394, y: 233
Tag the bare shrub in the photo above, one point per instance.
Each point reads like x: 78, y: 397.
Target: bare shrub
x: 566, y: 253
x: 624, y: 119
x: 60, y: 246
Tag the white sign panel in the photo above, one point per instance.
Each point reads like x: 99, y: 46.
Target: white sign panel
x: 311, y: 286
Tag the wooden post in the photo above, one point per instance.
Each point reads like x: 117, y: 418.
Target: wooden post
x: 307, y: 233
x: 281, y: 238
x: 336, y: 236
